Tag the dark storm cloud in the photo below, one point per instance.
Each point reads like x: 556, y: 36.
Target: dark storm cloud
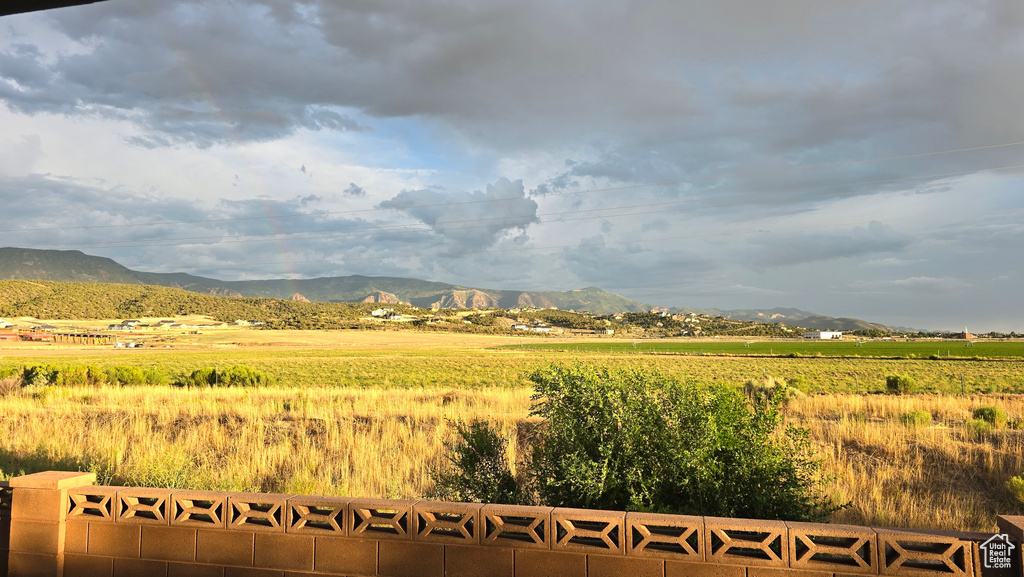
x: 471, y: 219
x: 631, y: 266
x: 782, y: 249
x: 657, y: 90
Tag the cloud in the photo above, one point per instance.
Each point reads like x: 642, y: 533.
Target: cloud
x: 915, y: 285
x: 470, y: 219
x: 797, y: 248
x: 632, y: 266
x: 354, y: 190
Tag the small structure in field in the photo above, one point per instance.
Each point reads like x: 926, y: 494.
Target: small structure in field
x: 823, y: 335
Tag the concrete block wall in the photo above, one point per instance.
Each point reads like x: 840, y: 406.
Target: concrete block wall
x: 5, y: 525
x: 64, y: 525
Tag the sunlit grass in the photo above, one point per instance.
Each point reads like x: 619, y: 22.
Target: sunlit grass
x: 382, y: 443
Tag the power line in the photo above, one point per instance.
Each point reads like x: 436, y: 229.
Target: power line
x: 555, y: 194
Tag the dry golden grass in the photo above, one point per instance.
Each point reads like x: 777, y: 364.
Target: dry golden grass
x: 365, y: 442
x: 941, y: 476
x: 382, y: 442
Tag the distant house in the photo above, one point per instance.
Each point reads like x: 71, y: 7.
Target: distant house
x: 823, y: 335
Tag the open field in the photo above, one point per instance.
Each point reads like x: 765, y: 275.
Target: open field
x: 457, y: 361
x: 843, y: 348
x: 382, y: 442
x: 365, y: 413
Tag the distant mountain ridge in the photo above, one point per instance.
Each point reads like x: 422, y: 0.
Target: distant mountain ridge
x: 76, y: 266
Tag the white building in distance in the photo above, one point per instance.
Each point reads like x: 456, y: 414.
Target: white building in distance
x: 823, y: 335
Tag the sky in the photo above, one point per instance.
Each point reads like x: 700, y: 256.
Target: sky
x: 860, y: 159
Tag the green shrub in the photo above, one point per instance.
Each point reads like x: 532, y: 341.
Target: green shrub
x: 236, y: 376
x: 916, y: 419
x: 1016, y: 487
x: 126, y: 376
x: 900, y: 384
x: 477, y: 469
x: 643, y: 441
x: 979, y: 427
x: 40, y: 375
x: 991, y: 415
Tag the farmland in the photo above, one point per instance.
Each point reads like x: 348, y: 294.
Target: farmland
x: 367, y: 413
x: 939, y: 349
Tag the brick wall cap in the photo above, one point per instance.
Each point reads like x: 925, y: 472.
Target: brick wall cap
x: 144, y: 492
x: 312, y: 500
x: 261, y: 497
x: 828, y: 527
x: 53, y: 480
x: 432, y: 506
x: 515, y: 510
x: 1011, y: 524
x: 738, y: 523
x: 203, y: 495
x: 667, y: 517
x: 566, y: 511
x: 937, y: 534
x: 397, y: 504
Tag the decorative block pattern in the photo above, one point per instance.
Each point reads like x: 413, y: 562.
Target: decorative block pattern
x: 588, y: 530
x: 318, y: 515
x: 516, y: 526
x: 143, y: 506
x: 380, y: 518
x: 923, y: 554
x: 200, y: 509
x: 746, y: 542
x: 257, y: 512
x: 667, y: 536
x: 447, y: 522
x: 92, y: 504
x: 835, y: 548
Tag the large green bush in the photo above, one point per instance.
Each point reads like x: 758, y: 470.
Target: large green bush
x: 991, y: 415
x: 236, y: 376
x: 900, y: 384
x: 643, y: 441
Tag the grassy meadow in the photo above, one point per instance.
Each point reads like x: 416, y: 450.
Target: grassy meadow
x: 366, y: 414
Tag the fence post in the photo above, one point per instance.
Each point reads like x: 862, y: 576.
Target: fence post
x: 38, y: 515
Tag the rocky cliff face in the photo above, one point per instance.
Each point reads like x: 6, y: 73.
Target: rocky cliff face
x: 298, y: 297
x: 466, y: 299
x: 382, y: 297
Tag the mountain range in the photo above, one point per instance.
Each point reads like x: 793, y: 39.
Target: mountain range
x: 76, y: 266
